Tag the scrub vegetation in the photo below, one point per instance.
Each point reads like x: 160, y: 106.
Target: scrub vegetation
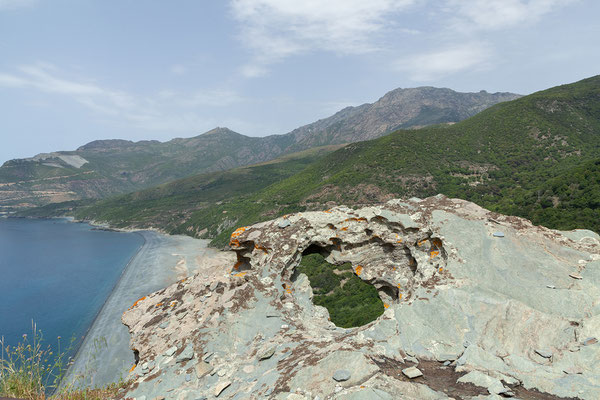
x: 350, y: 300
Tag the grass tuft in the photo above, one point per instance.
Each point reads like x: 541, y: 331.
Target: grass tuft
x: 32, y: 370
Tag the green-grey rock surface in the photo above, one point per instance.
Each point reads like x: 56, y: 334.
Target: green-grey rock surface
x: 474, y: 310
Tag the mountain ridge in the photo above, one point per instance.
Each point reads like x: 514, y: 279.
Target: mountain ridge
x: 112, y: 166
x: 506, y: 158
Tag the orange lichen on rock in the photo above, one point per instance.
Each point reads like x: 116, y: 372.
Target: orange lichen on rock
x: 358, y: 270
x: 421, y: 242
x: 238, y: 232
x: 240, y: 274
x: 362, y: 219
x: 132, y: 368
x: 158, y: 304
x: 434, y: 253
x: 399, y: 296
x: 386, y: 305
x: 398, y: 285
x: 257, y: 247
x: 441, y: 269
x: 233, y: 241
x: 137, y: 301
x: 345, y: 228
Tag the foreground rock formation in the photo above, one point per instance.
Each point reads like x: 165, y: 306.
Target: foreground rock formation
x: 478, y: 305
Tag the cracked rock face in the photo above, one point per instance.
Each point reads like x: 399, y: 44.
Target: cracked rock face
x: 459, y: 298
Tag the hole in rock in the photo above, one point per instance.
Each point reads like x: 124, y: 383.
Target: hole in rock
x: 242, y: 264
x: 385, y: 287
x: 388, y: 247
x: 136, y: 356
x: 351, y: 302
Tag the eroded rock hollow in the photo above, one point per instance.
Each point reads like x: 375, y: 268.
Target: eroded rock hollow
x: 479, y: 303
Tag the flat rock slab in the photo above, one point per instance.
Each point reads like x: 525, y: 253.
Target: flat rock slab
x: 203, y: 369
x: 186, y: 355
x: 317, y: 378
x: 412, y: 372
x: 341, y: 375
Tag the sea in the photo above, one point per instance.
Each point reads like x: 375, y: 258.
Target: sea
x: 57, y: 274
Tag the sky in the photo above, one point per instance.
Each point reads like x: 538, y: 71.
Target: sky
x: 72, y: 71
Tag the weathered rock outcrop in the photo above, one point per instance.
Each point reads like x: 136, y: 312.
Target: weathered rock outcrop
x: 480, y: 303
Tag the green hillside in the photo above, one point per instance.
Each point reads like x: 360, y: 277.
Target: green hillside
x: 500, y: 159
x: 535, y: 157
x: 168, y: 206
x: 103, y: 168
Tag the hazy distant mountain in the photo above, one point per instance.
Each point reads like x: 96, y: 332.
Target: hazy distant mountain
x: 106, y: 167
x: 398, y: 109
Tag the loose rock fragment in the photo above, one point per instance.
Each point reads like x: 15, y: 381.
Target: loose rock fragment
x: 589, y: 341
x: 498, y: 234
x: 267, y: 353
x: 203, y: 369
x: 170, y: 351
x: 220, y: 387
x: 412, y: 372
x: 576, y: 276
x: 341, y: 375
x: 284, y: 223
x: 186, y: 355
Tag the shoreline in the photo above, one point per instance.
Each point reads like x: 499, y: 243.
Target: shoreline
x: 86, y: 335
x: 104, y: 355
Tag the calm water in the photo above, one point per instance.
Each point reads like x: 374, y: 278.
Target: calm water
x: 58, y: 274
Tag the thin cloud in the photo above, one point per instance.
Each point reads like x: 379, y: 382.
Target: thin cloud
x: 178, y: 69
x: 13, y: 4
x: 440, y: 63
x: 167, y: 110
x: 276, y: 29
x: 500, y: 14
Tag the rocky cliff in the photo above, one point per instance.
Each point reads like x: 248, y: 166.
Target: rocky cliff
x: 477, y: 305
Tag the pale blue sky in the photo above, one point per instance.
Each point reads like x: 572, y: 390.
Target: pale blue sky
x: 72, y: 71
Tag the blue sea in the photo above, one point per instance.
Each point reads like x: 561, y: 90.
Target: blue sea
x: 57, y: 274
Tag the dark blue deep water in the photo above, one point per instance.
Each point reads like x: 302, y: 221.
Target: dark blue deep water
x: 58, y: 274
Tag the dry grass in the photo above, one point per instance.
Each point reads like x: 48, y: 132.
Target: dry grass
x: 31, y: 370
